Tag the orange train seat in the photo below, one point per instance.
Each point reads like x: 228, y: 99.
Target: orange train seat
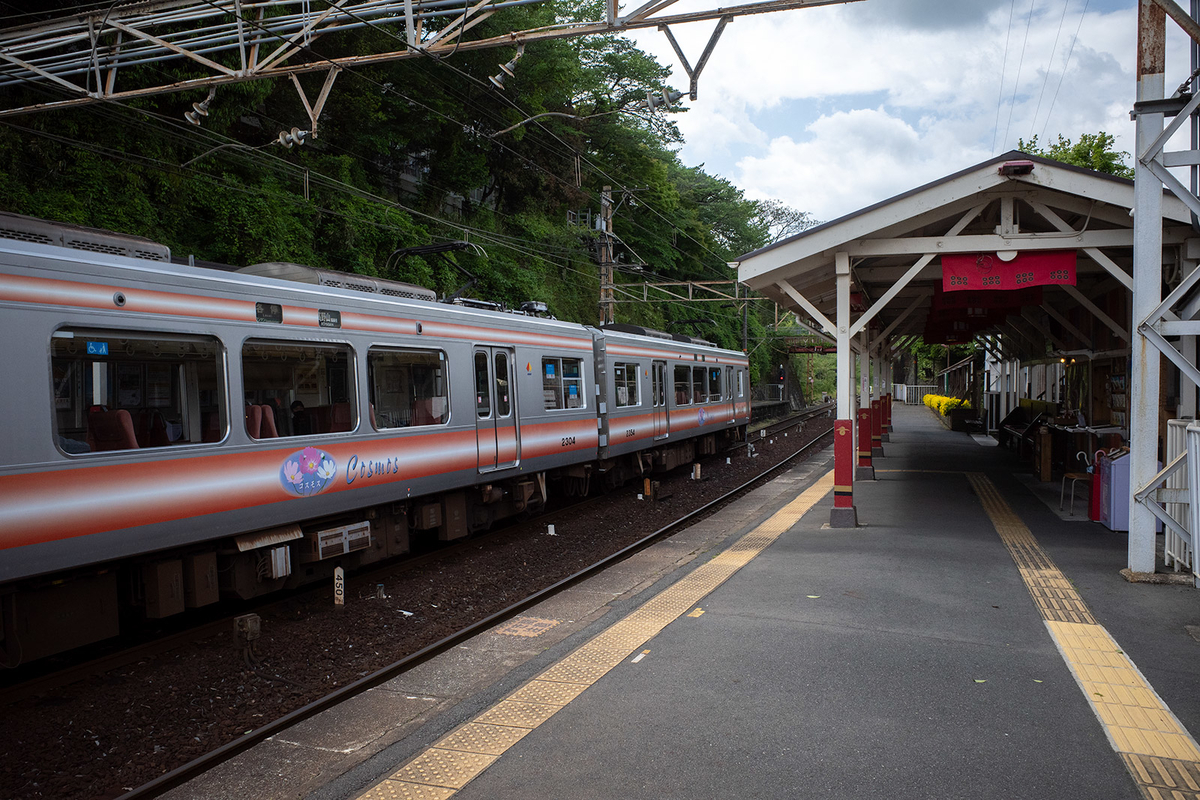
x: 267, y: 430
x: 254, y: 421
x: 111, y: 430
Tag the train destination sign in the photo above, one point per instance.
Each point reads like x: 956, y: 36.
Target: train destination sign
x: 962, y: 271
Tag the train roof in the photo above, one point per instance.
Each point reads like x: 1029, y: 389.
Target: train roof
x: 164, y: 271
x: 20, y: 228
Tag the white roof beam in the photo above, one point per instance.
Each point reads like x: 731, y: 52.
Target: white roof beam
x: 1054, y: 219
x: 812, y: 310
x: 912, y: 272
x: 990, y: 243
x: 1083, y: 338
x: 1096, y: 312
x: 917, y: 301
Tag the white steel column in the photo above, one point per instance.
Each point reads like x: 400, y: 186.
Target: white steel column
x: 1147, y: 288
x: 845, y: 374
x: 843, y: 514
x: 1187, y: 389
x: 864, y: 371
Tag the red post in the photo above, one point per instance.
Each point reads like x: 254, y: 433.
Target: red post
x: 887, y: 413
x: 865, y: 470
x: 843, y: 514
x: 877, y: 428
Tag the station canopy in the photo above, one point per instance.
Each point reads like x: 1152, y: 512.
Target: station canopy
x: 1030, y: 255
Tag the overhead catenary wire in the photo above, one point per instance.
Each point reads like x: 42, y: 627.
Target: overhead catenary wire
x: 493, y: 237
x: 1066, y: 65
x: 1049, y: 64
x: 495, y: 240
x: 1020, y: 64
x: 1003, y: 69
x: 146, y: 161
x: 511, y: 150
x: 533, y: 119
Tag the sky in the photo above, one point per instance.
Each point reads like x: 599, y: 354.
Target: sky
x: 832, y: 108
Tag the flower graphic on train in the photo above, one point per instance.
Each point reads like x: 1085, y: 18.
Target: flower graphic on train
x: 307, y: 472
x: 700, y: 415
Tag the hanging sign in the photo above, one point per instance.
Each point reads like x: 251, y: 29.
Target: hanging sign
x: 987, y: 271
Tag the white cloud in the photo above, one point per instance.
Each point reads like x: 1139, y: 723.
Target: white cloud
x: 716, y: 128
x: 848, y: 160
x: 861, y: 101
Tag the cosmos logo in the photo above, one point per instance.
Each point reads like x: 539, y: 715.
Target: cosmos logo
x: 307, y: 472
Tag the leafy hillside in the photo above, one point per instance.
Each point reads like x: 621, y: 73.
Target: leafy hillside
x: 411, y: 153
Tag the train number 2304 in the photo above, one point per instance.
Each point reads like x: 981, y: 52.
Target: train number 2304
x: 567, y: 441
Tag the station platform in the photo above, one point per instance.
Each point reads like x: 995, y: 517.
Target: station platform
x: 964, y: 641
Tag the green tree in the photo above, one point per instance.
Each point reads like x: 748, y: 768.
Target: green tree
x: 413, y: 152
x: 1092, y: 151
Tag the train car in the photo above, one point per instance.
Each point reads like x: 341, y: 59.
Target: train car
x: 178, y: 433
x: 669, y: 398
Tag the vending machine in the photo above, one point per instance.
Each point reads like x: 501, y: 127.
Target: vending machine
x: 1114, y: 491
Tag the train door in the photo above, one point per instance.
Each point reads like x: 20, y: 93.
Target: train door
x: 658, y: 399
x: 728, y: 394
x: 496, y: 430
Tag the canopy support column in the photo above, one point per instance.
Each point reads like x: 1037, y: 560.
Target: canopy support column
x: 843, y: 515
x: 1147, y: 288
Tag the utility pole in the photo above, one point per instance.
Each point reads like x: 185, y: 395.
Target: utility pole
x: 745, y: 324
x: 605, y: 257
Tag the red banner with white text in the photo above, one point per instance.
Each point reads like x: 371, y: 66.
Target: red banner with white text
x: 962, y: 271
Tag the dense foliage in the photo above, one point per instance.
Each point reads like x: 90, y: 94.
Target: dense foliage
x: 1092, y: 151
x: 944, y: 405
x: 410, y: 153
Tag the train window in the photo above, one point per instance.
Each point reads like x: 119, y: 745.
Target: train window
x: 126, y: 390
x: 406, y: 387
x: 562, y: 383
x: 503, y: 401
x: 625, y: 380
x: 298, y: 388
x: 740, y: 391
x: 699, y: 385
x: 483, y: 387
x: 714, y: 384
x: 683, y: 385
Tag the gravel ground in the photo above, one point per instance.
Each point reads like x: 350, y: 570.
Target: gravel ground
x: 104, y: 736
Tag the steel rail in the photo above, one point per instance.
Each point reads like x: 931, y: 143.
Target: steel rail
x: 202, y: 764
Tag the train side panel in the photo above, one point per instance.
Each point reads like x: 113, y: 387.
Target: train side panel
x: 176, y: 433
x: 68, y: 505
x: 664, y: 391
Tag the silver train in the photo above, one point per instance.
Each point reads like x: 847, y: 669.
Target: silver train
x: 176, y: 433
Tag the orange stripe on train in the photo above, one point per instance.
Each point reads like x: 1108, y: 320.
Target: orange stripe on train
x: 62, y: 504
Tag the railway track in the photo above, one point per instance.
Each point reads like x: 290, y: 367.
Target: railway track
x: 210, y: 760
x: 41, y: 684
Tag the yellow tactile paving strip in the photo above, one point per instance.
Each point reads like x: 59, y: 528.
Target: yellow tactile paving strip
x: 452, y: 761
x: 1160, y: 754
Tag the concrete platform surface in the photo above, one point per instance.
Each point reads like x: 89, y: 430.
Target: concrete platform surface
x: 964, y: 641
